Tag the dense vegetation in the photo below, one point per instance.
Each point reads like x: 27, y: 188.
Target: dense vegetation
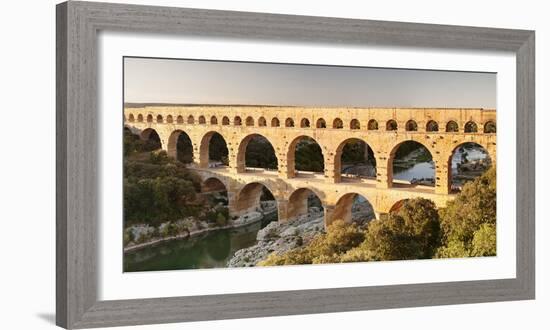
x: 466, y: 227
x: 160, y: 192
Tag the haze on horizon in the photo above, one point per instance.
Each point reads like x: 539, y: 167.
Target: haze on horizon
x: 175, y: 81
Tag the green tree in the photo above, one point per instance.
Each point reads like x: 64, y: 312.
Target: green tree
x: 412, y: 232
x: 472, y: 210
x: 484, y: 242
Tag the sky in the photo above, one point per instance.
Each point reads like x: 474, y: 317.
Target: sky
x: 148, y: 80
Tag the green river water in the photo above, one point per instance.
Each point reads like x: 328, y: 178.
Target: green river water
x: 209, y: 250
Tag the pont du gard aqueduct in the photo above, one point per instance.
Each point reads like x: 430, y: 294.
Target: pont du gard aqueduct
x: 441, y: 131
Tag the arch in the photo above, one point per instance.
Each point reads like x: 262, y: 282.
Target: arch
x: 354, y: 124
x: 213, y: 120
x: 289, y: 122
x: 432, y: 126
x: 411, y: 162
x: 249, y: 121
x: 151, y: 138
x: 237, y: 121
x: 131, y: 118
x: 275, y: 122
x: 397, y: 205
x: 190, y: 119
x: 321, y: 123
x: 372, y: 125
x: 262, y: 122
x: 180, y: 146
x: 391, y: 125
x: 202, y: 120
x: 225, y: 120
x: 169, y: 119
x: 308, y: 157
x: 249, y: 197
x: 467, y: 161
x: 300, y: 203
x: 212, y: 184
x: 179, y: 119
x: 213, y: 151
x: 490, y: 127
x: 349, y: 209
x: 470, y: 127
x: 451, y: 126
x: 159, y: 119
x: 304, y: 123
x: 411, y: 126
x: 149, y: 118
x: 140, y: 118
x: 337, y: 123
x: 263, y: 156
x: 362, y: 167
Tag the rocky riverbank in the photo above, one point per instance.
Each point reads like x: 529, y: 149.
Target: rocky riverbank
x: 195, y: 227
x: 280, y: 237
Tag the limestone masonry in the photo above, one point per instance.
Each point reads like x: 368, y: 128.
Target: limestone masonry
x: 440, y: 130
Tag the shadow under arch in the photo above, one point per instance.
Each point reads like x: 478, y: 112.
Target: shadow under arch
x: 307, y: 162
x: 421, y: 163
x: 249, y: 198
x: 352, y: 207
x: 152, y: 138
x: 206, y: 153
x: 180, y: 146
x: 262, y: 158
x: 369, y: 158
x: 302, y: 201
x: 212, y: 184
x: 397, y: 205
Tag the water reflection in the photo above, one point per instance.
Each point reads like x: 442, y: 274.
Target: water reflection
x: 211, y: 250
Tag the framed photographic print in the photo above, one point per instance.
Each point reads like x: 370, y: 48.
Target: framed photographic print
x: 216, y: 165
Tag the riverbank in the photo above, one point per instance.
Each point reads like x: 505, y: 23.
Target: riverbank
x: 242, y: 221
x: 279, y: 238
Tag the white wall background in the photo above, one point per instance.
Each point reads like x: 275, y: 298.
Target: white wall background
x: 27, y: 164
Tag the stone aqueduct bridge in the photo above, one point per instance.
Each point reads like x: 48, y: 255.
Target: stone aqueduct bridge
x: 441, y: 131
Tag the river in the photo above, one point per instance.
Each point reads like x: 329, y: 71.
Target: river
x: 210, y: 250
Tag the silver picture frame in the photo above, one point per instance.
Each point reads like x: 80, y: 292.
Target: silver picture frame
x: 78, y: 25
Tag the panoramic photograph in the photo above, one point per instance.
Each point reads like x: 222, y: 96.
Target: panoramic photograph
x: 247, y: 164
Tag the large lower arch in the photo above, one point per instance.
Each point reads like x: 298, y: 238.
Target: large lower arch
x: 213, y: 150
x: 304, y: 154
x: 411, y: 163
x: 212, y: 184
x: 397, y: 206
x: 360, y: 154
x: 466, y: 162
x: 249, y: 198
x: 262, y: 155
x: 180, y: 146
x: 352, y: 207
x: 304, y: 201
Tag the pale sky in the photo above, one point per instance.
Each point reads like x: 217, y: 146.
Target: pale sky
x: 218, y: 82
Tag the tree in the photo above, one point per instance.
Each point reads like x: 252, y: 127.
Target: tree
x: 412, y: 232
x: 473, y: 210
x: 484, y: 242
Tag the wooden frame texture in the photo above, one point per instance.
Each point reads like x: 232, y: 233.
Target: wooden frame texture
x: 78, y: 24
